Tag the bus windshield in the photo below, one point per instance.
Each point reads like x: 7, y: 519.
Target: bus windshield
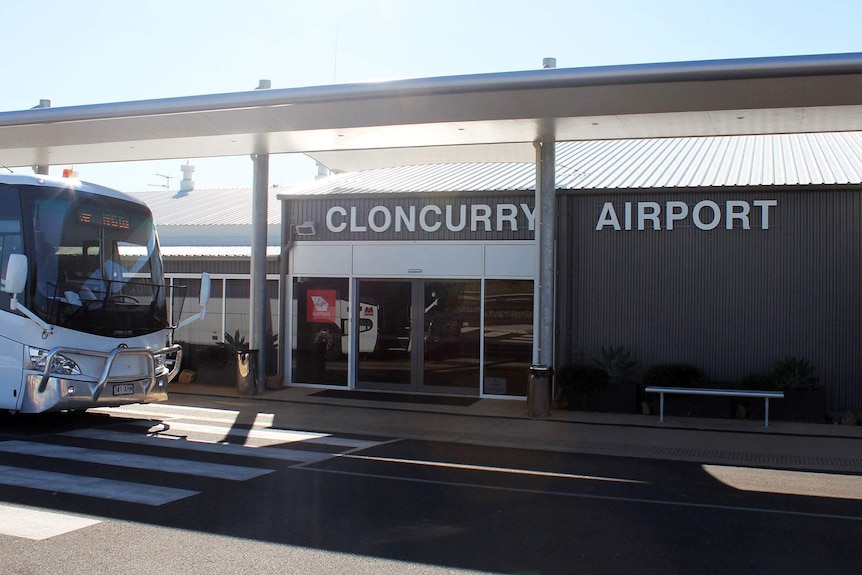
x: 96, y: 264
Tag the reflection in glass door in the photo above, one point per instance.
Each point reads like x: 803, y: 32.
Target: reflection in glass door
x: 428, y: 335
x: 451, y: 336
x: 389, y: 366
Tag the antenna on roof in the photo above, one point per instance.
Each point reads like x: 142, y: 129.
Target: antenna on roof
x: 166, y: 185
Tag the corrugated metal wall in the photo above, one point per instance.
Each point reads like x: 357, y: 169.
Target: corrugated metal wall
x: 728, y: 301
x: 225, y: 266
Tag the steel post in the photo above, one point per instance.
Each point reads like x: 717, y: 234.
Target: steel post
x: 546, y: 208
x: 257, y: 294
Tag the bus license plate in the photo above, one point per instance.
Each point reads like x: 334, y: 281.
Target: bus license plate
x: 124, y: 389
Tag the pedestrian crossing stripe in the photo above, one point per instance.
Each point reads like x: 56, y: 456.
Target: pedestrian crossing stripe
x: 134, y: 461
x: 39, y: 525
x: 277, y: 436
x: 126, y: 491
x: 156, y: 495
x: 282, y: 454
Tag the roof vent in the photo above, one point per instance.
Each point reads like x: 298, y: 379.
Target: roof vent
x: 187, y: 184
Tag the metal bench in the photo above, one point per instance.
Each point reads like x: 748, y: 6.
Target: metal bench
x: 766, y: 395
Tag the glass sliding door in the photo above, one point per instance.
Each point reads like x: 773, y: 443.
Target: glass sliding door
x: 320, y: 324
x: 451, y: 336
x: 427, y: 335
x: 388, y: 304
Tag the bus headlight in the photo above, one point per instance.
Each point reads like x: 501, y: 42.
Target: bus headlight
x: 61, y: 363
x: 161, y: 361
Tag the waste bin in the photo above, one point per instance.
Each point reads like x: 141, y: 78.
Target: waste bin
x: 246, y: 372
x: 539, y: 391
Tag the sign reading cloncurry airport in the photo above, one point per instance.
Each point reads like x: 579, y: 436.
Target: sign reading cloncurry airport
x: 704, y: 215
x: 456, y: 218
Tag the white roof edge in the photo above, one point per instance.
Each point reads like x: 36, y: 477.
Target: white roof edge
x: 704, y: 70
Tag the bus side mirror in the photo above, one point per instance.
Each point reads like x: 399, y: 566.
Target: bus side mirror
x: 205, y: 289
x: 205, y: 297
x: 16, y: 274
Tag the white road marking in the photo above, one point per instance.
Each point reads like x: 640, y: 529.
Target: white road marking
x: 92, y: 486
x: 620, y: 499
x: 296, y: 455
x: 164, y: 411
x: 487, y: 468
x: 278, y: 436
x: 39, y: 525
x: 134, y: 461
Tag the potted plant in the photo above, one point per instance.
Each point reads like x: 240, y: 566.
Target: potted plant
x: 804, y: 396
x: 576, y: 385
x: 619, y: 395
x: 246, y: 362
x: 599, y: 387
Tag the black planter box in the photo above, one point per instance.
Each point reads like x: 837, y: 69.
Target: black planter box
x: 719, y: 407
x: 805, y: 405
x: 612, y: 398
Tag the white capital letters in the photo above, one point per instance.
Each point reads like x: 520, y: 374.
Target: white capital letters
x: 462, y: 223
x: 675, y: 212
x: 531, y: 216
x: 716, y: 215
x: 652, y: 214
x: 480, y: 213
x: 608, y: 217
x: 737, y: 210
x: 354, y: 225
x: 330, y: 223
x: 764, y: 206
x: 372, y: 219
x: 407, y: 219
x: 423, y: 215
x: 507, y: 213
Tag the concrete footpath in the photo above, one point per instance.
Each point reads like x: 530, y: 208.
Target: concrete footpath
x: 783, y: 445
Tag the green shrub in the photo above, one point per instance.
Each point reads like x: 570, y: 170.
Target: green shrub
x: 616, y: 362
x: 675, y: 375
x: 233, y: 343
x: 793, y: 372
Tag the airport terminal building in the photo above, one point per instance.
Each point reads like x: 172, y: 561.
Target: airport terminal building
x: 726, y: 253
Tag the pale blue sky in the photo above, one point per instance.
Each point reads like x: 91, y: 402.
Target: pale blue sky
x: 93, y: 51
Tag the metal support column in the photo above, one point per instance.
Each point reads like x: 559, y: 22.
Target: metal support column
x: 546, y: 215
x: 42, y: 169
x: 257, y: 295
x: 283, y: 261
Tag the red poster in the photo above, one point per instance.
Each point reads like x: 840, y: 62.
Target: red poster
x: 321, y: 306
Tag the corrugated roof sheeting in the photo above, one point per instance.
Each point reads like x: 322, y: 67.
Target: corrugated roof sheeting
x: 731, y: 161
x: 431, y: 178
x: 774, y: 160
x: 226, y: 206
x: 215, y: 251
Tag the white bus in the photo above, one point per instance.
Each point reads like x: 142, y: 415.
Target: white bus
x: 83, y: 301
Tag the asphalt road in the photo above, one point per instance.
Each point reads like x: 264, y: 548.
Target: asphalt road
x: 99, y: 494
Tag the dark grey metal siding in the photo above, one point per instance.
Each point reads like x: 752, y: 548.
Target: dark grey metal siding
x: 214, y: 266
x: 314, y: 210
x: 728, y: 301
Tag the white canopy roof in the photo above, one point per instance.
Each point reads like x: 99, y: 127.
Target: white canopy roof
x: 360, y: 126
